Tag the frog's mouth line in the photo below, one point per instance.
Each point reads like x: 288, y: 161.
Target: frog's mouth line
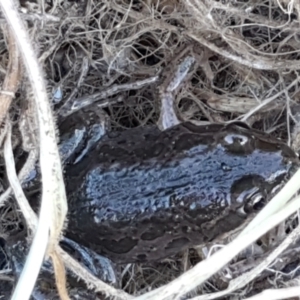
x: 280, y: 177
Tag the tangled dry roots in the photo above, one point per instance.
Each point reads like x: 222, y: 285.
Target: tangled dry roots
x: 108, y: 52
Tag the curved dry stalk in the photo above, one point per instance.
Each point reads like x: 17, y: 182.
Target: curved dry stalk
x: 79, y: 103
x: 53, y: 205
x: 32, y: 220
x: 32, y: 158
x: 252, y: 61
x: 26, y: 210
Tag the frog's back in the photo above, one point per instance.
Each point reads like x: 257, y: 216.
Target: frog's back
x: 145, y: 194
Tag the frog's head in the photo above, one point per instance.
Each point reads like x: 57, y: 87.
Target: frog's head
x: 259, y: 166
x: 276, y: 163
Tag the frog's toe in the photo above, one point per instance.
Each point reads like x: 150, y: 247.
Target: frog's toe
x: 100, y: 266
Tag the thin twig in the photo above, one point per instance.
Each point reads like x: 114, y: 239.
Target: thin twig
x: 83, y: 73
x: 269, y: 100
x: 82, y: 102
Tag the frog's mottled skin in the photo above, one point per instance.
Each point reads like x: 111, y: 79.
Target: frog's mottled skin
x: 144, y: 195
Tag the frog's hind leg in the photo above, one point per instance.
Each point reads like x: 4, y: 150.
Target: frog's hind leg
x: 168, y: 117
x: 100, y: 266
x: 16, y: 249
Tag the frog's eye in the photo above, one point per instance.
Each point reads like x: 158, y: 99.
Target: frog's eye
x: 259, y: 202
x: 238, y: 143
x: 232, y: 139
x: 255, y: 203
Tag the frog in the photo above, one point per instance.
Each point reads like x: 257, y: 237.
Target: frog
x: 146, y: 194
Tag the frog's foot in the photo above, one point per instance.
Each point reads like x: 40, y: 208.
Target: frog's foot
x: 17, y: 248
x: 168, y: 117
x: 101, y: 267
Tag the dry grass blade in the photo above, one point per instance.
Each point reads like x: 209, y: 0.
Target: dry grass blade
x: 35, y: 260
x: 32, y: 157
x: 247, y: 277
x: 168, y: 117
x: 59, y: 269
x: 277, y: 294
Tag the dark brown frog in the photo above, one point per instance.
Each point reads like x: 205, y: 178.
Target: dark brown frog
x: 144, y: 195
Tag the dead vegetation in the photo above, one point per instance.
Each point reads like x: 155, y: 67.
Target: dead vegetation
x: 122, y: 56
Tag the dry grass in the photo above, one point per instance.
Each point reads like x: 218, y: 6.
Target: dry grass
x: 123, y: 56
